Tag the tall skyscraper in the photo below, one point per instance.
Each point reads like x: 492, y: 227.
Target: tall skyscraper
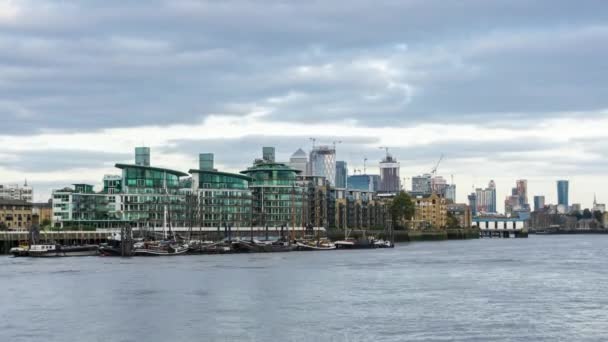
x: 389, y: 175
x: 562, y: 192
x: 439, y: 185
x: 299, y: 161
x: 486, y: 198
x: 422, y: 184
x: 473, y: 203
x: 450, y: 193
x: 323, y: 163
x: 142, y: 156
x: 521, y: 187
x: 341, y: 174
x: 539, y: 203
x: 268, y: 154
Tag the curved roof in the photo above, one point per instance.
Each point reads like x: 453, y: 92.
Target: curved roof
x: 237, y: 175
x: 270, y: 167
x: 173, y: 172
x: 299, y: 154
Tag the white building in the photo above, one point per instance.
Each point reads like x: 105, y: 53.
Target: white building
x: 299, y: 161
x: 323, y: 163
x: 16, y: 192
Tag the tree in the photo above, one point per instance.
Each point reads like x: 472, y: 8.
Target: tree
x: 402, y: 208
x: 452, y: 221
x: 587, y: 214
x: 46, y: 223
x: 3, y: 226
x: 598, y: 215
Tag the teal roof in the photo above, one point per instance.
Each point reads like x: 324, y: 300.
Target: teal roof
x: 237, y: 175
x: 270, y: 167
x: 173, y: 172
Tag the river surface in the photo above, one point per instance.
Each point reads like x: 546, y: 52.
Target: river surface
x: 544, y: 288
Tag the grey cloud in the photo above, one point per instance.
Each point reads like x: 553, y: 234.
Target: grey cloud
x: 62, y: 160
x: 99, y: 64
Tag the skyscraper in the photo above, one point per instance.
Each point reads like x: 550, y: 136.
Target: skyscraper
x: 389, y: 175
x: 562, y: 192
x: 268, y: 154
x: 450, y: 193
x: 473, y: 203
x: 341, y: 174
x: 323, y: 163
x: 486, y: 198
x: 299, y: 161
x: 521, y: 187
x: 422, y: 184
x: 439, y: 185
x: 539, y: 203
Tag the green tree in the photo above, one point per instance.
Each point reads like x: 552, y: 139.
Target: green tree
x: 587, y: 214
x: 46, y: 223
x: 452, y: 221
x: 401, y: 209
x: 3, y: 226
x: 598, y: 216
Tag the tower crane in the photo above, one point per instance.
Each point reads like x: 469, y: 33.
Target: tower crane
x: 364, y: 165
x: 335, y: 142
x: 314, y: 140
x: 434, y: 170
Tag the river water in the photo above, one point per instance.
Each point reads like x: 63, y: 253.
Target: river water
x: 544, y: 288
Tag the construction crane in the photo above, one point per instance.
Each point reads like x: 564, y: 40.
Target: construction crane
x: 364, y: 165
x: 335, y: 142
x: 434, y: 170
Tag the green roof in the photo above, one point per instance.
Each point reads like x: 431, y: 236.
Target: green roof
x: 237, y: 175
x: 173, y: 172
x: 270, y: 167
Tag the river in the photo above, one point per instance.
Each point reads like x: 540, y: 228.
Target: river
x: 544, y: 288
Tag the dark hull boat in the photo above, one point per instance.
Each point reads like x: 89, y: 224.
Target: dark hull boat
x: 159, y: 249
x: 62, y: 251
x: 260, y: 247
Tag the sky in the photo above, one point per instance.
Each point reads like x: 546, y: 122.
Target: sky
x: 504, y: 89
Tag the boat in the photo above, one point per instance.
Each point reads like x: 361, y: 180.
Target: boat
x: 256, y: 246
x: 209, y: 247
x: 321, y: 245
x: 20, y: 251
x: 55, y: 250
x: 162, y: 248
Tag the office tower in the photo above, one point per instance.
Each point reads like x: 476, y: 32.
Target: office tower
x: 299, y: 161
x: 539, y: 203
x: 323, y: 163
x: 268, y: 154
x: 421, y: 185
x: 142, y: 156
x: 521, y: 187
x: 439, y: 185
x: 486, y: 198
x: 341, y: 174
x: 562, y: 192
x: 450, y: 193
x: 389, y: 175
x: 473, y: 203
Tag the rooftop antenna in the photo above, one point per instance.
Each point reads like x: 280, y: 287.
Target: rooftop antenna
x: 314, y: 140
x: 386, y: 149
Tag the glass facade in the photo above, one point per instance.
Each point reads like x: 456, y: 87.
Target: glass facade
x: 224, y: 199
x: 562, y: 193
x: 277, y: 199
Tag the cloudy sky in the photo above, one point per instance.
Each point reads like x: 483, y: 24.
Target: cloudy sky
x: 505, y: 89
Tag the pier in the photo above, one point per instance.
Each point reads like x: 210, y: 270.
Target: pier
x: 499, y: 227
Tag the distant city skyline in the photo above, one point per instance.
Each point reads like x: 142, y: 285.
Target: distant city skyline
x: 517, y: 94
